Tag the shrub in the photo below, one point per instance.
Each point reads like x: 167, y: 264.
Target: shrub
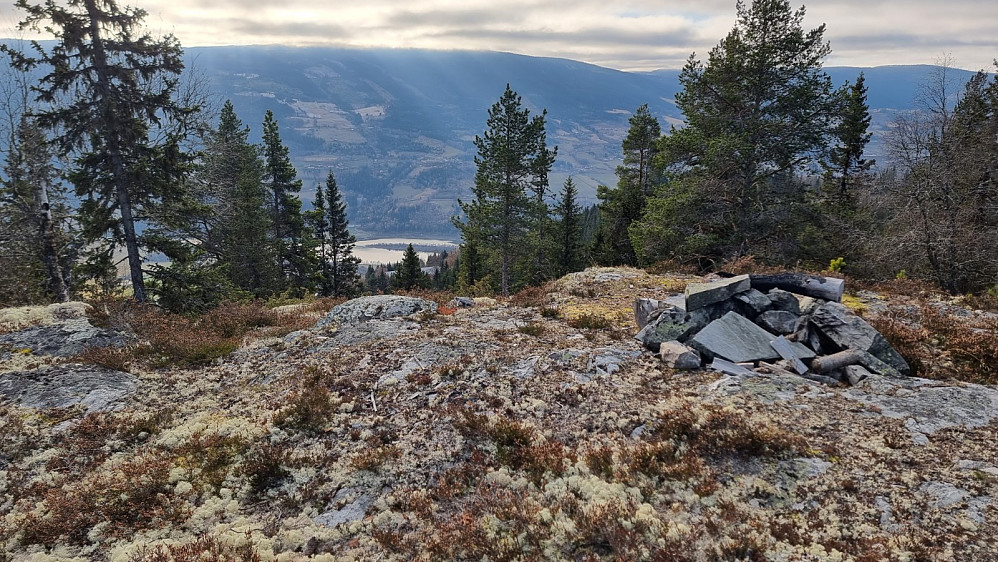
x: 534, y: 329
x: 534, y: 296
x: 308, y: 410
x: 373, y: 458
x: 130, y: 497
x: 265, y: 466
x: 590, y: 321
x: 204, y: 548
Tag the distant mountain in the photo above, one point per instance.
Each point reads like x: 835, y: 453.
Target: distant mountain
x: 396, y: 126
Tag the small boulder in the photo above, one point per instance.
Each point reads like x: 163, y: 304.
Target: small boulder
x: 783, y: 300
x: 778, y: 321
x: 735, y: 338
x: 671, y: 323
x: 376, y: 307
x: 756, y: 302
x: 63, y: 339
x: 645, y: 310
x: 679, y: 356
x: 62, y: 386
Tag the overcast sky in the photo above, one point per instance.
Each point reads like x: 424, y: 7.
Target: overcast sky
x: 623, y: 34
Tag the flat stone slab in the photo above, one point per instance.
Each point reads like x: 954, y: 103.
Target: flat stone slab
x: 375, y: 307
x: 353, y: 505
x: 63, y: 339
x: 735, y: 338
x: 928, y: 406
x: 62, y: 386
x: 699, y: 295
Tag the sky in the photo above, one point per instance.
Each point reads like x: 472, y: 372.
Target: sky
x: 621, y: 34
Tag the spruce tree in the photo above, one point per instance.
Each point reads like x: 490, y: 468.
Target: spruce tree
x: 319, y: 224
x: 569, y: 230
x: 409, y: 274
x: 341, y: 263
x: 234, y: 170
x: 109, y: 97
x: 286, y: 221
x: 33, y: 231
x: 845, y: 159
x: 758, y: 112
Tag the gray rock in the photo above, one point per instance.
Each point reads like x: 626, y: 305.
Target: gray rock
x: 677, y: 300
x: 353, y: 505
x: 678, y: 356
x: 699, y: 295
x: 789, y: 355
x: 62, y: 386
x: 942, y: 494
x: 63, y: 339
x: 845, y: 330
x: 855, y: 374
x: 926, y: 405
x: 608, y: 360
x: 376, y: 307
x: 566, y: 355
x: 783, y: 300
x: 644, y: 311
x: 729, y: 368
x: 429, y: 356
x: 355, y: 334
x: 756, y: 302
x: 735, y: 338
x: 778, y: 321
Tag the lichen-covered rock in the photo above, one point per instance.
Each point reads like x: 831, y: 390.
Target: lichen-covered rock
x: 376, y: 307
x: 62, y: 386
x: 63, y: 339
x: 670, y: 324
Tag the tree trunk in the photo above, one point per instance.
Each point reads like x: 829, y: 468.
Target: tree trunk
x: 827, y: 288
x: 119, y: 178
x: 50, y: 253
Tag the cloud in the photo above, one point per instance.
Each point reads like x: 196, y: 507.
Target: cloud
x: 624, y: 34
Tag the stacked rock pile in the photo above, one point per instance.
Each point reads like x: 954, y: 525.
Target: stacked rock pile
x: 774, y: 323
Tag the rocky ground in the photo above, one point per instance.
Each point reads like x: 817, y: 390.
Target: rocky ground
x: 537, y: 429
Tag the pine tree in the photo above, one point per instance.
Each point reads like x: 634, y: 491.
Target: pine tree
x: 341, y: 263
x: 569, y: 230
x: 109, y: 96
x: 758, y: 112
x: 636, y: 180
x: 845, y: 160
x: 409, y: 274
x: 287, y: 223
x: 512, y: 164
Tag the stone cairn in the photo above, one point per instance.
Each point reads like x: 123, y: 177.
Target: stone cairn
x: 780, y: 324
